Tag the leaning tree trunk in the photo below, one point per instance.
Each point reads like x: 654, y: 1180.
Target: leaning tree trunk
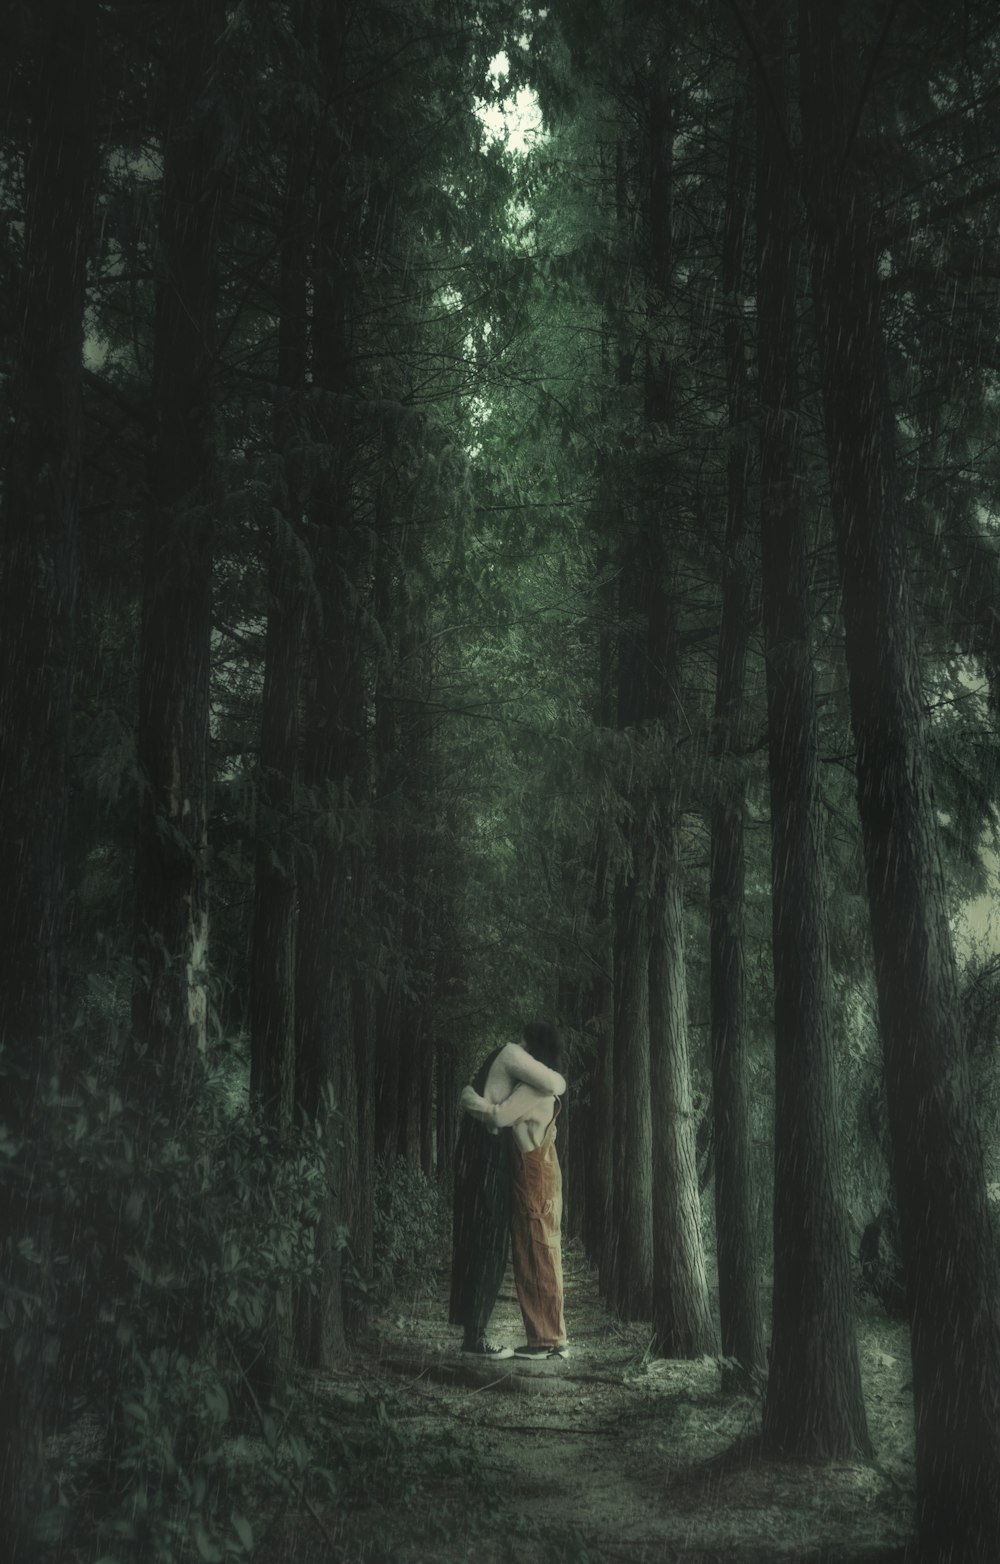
x: 170, y: 999
x: 732, y: 1129
x: 39, y: 573
x: 949, y: 1251
x: 814, y: 1404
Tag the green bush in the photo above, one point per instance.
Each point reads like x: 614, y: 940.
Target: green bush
x: 162, y: 1259
x: 412, y: 1228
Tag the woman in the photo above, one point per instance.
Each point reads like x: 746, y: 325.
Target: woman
x: 520, y: 1091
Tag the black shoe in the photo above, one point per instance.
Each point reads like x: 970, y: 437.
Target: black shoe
x: 484, y: 1348
x: 539, y: 1354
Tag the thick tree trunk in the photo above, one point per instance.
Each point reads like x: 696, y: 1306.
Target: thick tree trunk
x: 948, y: 1249
x: 681, y: 1314
x: 682, y: 1323
x: 735, y: 1204
x: 170, y: 997
x: 682, y: 1319
x: 631, y: 1293
x: 814, y: 1403
x: 39, y: 574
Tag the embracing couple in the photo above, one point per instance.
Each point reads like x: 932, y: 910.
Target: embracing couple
x: 508, y: 1183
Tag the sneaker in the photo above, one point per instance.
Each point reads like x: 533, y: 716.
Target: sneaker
x: 484, y: 1348
x: 540, y: 1354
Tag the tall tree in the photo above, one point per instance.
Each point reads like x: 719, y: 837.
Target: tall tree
x: 274, y: 927
x: 949, y: 1251
x: 632, y: 1259
x: 739, y: 1294
x: 39, y: 582
x: 170, y: 994
x: 682, y: 1324
x: 333, y: 725
x: 814, y: 1403
x: 272, y: 964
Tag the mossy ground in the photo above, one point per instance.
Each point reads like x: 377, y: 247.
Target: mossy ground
x: 612, y: 1455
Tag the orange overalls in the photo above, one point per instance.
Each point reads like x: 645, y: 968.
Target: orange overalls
x: 535, y: 1230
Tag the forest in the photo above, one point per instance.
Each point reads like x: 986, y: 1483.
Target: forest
x: 500, y: 520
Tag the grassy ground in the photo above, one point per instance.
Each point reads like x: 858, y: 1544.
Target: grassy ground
x: 609, y: 1456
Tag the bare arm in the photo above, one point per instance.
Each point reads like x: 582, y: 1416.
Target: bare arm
x: 521, y: 1104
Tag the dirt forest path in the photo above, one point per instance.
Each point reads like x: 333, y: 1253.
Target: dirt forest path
x: 608, y: 1456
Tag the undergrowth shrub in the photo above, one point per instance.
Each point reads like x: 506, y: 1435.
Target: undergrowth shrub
x: 163, y: 1259
x: 412, y: 1228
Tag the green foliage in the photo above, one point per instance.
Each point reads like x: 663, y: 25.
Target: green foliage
x: 164, y: 1265
x: 412, y: 1228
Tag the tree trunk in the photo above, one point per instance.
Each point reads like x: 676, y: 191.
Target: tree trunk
x: 170, y: 996
x: 387, y: 1072
x: 446, y: 1122
x: 601, y: 1165
x: 332, y: 748
x: 948, y: 1249
x: 682, y: 1324
x: 735, y: 1201
x: 427, y: 1104
x: 272, y: 950
x: 600, y: 1018
x: 272, y: 963
x: 363, y: 1211
x: 682, y: 1319
x: 39, y: 549
x: 632, y: 1223
x: 814, y: 1404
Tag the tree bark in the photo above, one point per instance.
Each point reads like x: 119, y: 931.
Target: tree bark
x: 170, y: 995
x: 682, y: 1324
x: 272, y: 963
x: 682, y: 1319
x: 333, y: 737
x: 631, y: 1247
x: 949, y: 1251
x: 39, y: 579
x: 814, y: 1404
x: 735, y: 1204
x: 362, y: 1213
x: 600, y: 1019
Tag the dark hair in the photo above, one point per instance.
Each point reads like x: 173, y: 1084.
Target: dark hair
x: 544, y: 1043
